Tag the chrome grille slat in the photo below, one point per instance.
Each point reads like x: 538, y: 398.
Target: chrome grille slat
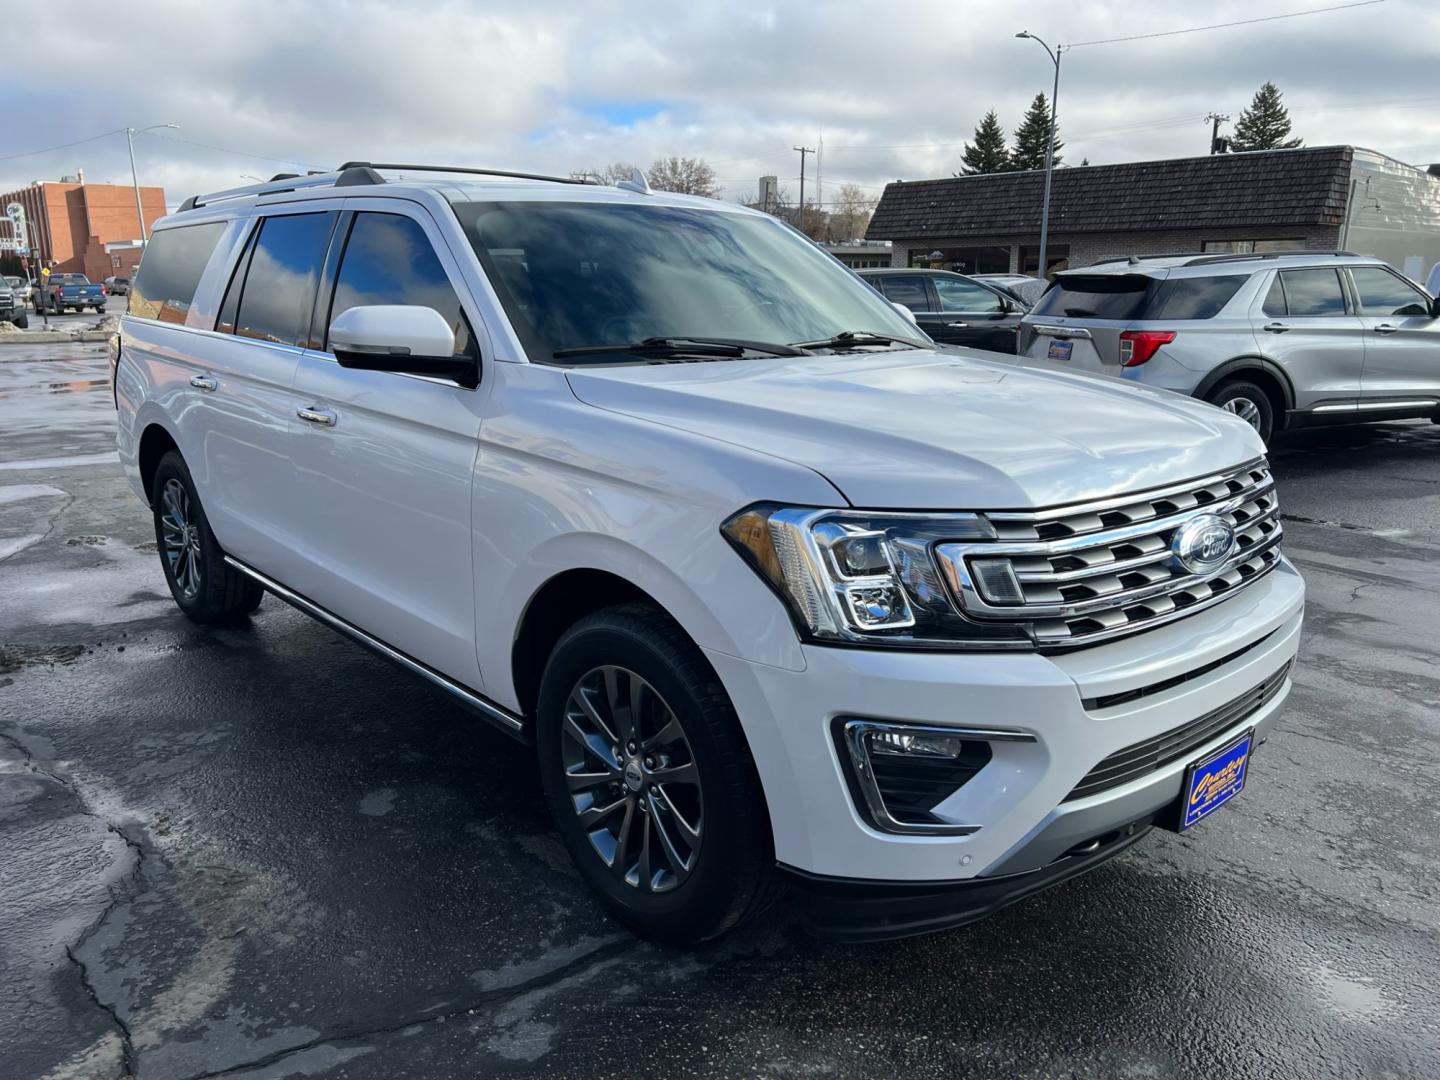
x: 1093, y: 571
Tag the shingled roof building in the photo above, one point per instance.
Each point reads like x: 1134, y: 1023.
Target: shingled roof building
x: 1320, y: 197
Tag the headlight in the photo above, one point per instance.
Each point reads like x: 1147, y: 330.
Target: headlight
x: 855, y: 577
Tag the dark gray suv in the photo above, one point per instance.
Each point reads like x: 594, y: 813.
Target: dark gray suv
x: 1283, y: 339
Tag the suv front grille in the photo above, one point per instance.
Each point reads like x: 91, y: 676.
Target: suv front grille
x: 1145, y: 757
x: 1104, y: 569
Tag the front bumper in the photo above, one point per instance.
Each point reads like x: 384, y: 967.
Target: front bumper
x: 1019, y: 799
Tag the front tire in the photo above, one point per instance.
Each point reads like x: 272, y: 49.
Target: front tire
x: 206, y: 588
x: 1249, y: 402
x: 649, y: 778
x: 21, y: 322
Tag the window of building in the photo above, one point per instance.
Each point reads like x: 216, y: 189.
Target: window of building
x: 1250, y: 247
x: 1056, y: 255
x: 1384, y: 293
x: 278, y: 294
x: 389, y: 260
x: 170, y: 272
x: 966, y: 260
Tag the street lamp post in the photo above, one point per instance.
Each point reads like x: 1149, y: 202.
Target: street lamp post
x: 130, y: 134
x: 1049, y: 145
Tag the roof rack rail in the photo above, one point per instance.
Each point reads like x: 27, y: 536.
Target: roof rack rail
x: 1135, y: 259
x: 461, y: 169
x: 275, y: 186
x: 1206, y: 260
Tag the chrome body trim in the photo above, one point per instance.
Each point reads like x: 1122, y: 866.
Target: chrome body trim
x: 501, y: 717
x: 1416, y: 403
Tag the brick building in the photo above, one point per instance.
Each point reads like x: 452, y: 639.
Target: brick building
x: 92, y: 229
x: 1320, y: 197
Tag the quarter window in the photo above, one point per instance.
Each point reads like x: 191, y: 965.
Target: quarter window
x: 1384, y: 293
x: 1194, y: 297
x: 1312, y: 292
x: 389, y: 260
x: 278, y: 294
x: 170, y: 271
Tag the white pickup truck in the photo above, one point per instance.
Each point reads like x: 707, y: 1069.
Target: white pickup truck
x: 786, y: 600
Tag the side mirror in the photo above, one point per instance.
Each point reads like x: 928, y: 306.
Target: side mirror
x: 903, y: 310
x: 404, y: 338
x: 1435, y: 308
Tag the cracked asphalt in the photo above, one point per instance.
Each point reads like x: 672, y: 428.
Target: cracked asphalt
x: 262, y: 852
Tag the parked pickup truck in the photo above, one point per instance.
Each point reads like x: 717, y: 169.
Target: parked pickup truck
x: 71, y: 292
x: 12, y: 305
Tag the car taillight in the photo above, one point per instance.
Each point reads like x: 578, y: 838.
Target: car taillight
x: 1138, y: 346
x: 104, y: 291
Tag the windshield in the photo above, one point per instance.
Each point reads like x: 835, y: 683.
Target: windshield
x: 577, y: 275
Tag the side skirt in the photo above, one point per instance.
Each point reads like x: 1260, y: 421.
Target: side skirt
x: 498, y: 715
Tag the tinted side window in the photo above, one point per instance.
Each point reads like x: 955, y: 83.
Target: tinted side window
x: 1275, y: 298
x: 279, y: 289
x: 170, y: 271
x: 1313, y: 292
x: 1194, y: 298
x: 906, y: 289
x: 389, y: 260
x: 1097, y: 296
x: 1384, y: 293
x: 225, y: 323
x: 957, y: 295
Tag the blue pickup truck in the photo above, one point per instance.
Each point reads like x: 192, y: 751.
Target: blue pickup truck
x: 71, y: 292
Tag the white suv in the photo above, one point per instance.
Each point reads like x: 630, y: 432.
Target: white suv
x: 780, y: 595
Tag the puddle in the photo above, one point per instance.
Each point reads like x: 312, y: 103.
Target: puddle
x: 1353, y: 998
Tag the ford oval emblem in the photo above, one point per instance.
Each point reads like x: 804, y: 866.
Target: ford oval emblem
x: 1203, y: 544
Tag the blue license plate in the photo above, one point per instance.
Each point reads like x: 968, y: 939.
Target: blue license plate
x: 1213, y: 781
x: 1059, y: 350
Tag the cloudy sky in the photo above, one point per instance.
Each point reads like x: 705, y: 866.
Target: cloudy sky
x: 892, y: 90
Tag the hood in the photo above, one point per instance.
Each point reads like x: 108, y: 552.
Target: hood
x: 921, y: 430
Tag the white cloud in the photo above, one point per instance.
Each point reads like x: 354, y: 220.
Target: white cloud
x: 894, y: 90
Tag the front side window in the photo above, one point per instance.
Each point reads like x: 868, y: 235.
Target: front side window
x: 389, y: 260
x: 906, y: 289
x: 1312, y: 292
x: 1387, y: 294
x: 171, y: 269
x: 278, y: 293
x: 965, y: 297
x: 580, y: 275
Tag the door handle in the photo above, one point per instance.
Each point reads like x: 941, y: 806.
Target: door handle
x: 203, y: 382
x: 317, y: 416
x: 1386, y: 328
x: 958, y: 325
x: 1277, y: 328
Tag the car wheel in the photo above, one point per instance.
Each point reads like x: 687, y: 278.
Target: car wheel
x: 99, y: 311
x: 649, y: 778
x: 22, y: 322
x: 206, y: 588
x: 1249, y: 402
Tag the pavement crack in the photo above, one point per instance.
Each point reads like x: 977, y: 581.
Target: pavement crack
x: 127, y: 1044
x: 597, y: 957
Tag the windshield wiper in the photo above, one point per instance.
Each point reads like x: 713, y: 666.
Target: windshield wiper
x: 846, y: 338
x: 684, y: 346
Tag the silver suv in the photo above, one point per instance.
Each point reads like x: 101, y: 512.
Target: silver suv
x: 1283, y: 339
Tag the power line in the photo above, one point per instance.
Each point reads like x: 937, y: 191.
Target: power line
x: 237, y: 153
x: 62, y: 146
x: 1224, y: 25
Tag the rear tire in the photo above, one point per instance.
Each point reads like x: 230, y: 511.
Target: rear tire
x: 1247, y: 401
x: 206, y: 588
x: 22, y: 322
x: 686, y: 853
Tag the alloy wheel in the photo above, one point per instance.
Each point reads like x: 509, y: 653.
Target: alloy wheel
x: 1244, y: 408
x: 632, y: 779
x: 180, y: 535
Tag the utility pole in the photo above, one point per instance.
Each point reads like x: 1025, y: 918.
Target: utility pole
x: 1217, y: 144
x: 1054, y: 55
x: 130, y: 134
x: 803, y: 150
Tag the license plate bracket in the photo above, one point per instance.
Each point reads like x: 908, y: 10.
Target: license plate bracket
x: 1214, y: 780
x: 1059, y: 349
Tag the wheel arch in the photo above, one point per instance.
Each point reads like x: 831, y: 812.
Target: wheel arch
x: 155, y: 441
x: 1266, y: 374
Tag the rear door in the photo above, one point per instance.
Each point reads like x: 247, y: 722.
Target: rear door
x: 971, y: 314
x: 1303, y: 321
x: 908, y: 290
x: 385, y: 461
x: 1077, y: 324
x: 1402, y: 340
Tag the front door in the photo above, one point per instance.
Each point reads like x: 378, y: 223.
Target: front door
x: 1402, y: 342
x: 971, y: 315
x: 384, y: 461
x: 1304, y: 324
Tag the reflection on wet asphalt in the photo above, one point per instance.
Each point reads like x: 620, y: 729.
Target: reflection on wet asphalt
x: 262, y: 852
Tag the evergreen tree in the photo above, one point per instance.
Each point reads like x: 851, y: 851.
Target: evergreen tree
x: 1265, y: 125
x: 1030, y: 136
x: 988, y: 154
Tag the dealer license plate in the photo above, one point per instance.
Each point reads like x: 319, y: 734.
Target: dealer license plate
x: 1213, y: 781
x: 1059, y: 350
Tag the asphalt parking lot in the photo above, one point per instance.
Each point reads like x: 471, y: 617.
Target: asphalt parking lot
x: 262, y: 852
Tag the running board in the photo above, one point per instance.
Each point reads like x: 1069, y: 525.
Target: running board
x: 501, y: 717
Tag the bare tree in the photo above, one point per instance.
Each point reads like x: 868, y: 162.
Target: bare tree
x: 853, y: 207
x: 610, y: 174
x: 685, y: 176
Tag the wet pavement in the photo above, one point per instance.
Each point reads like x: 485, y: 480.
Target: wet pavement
x: 262, y: 852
